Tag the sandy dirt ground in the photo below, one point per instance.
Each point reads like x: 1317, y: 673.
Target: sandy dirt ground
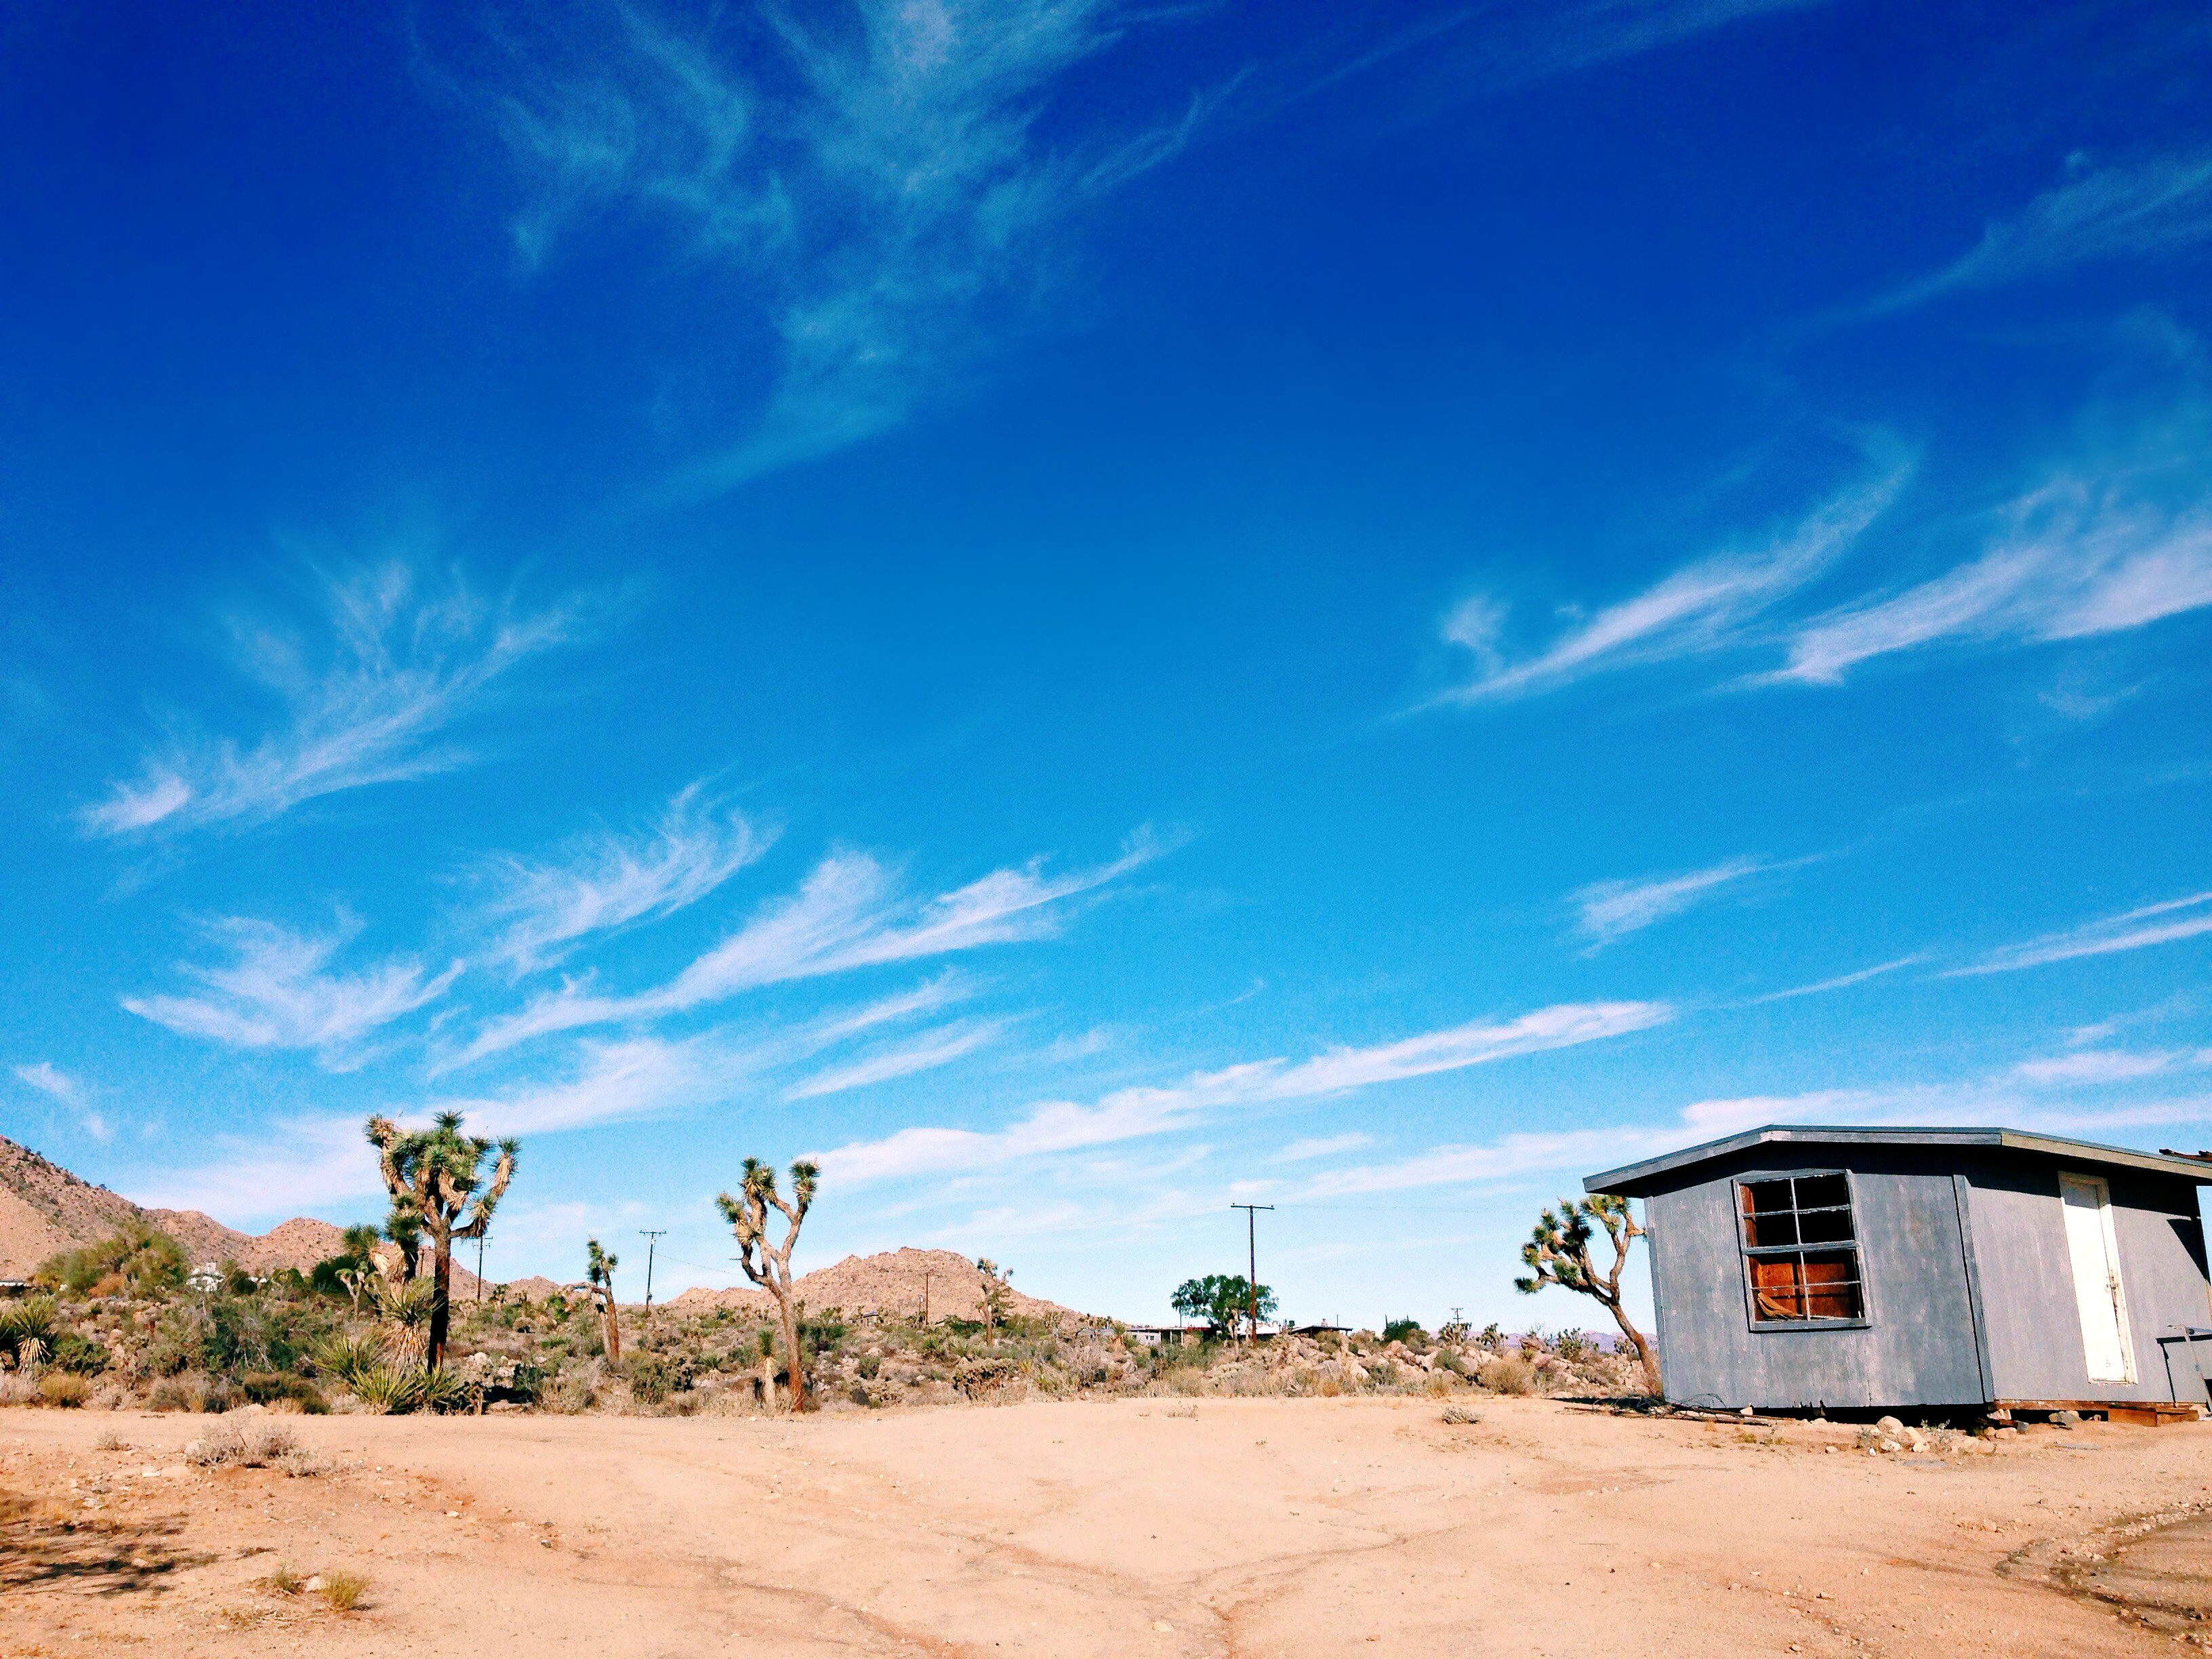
x: 1139, y: 1527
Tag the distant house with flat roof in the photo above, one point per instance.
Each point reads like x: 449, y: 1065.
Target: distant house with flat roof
x: 1798, y: 1267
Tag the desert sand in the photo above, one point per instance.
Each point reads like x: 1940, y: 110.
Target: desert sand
x: 1142, y: 1527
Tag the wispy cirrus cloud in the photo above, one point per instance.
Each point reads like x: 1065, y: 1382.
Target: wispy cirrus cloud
x: 1131, y: 1113
x: 276, y: 991
x: 607, y: 881
x: 850, y: 912
x: 2159, y: 204
x: 2079, y: 556
x: 364, y: 696
x: 870, y: 176
x: 1702, y: 608
x: 932, y: 1049
x: 1608, y: 910
x: 1841, y: 982
x: 2163, y: 923
x: 1312, y: 1146
x: 2095, y: 1066
x: 48, y: 1079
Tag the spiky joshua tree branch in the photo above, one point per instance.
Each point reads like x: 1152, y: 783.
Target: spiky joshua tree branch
x: 1558, y: 1253
x: 770, y: 1265
x: 439, y: 1190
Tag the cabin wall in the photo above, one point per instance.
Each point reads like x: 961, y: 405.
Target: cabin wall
x: 2029, y: 1312
x: 1918, y: 1346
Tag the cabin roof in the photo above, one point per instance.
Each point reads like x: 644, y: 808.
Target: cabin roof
x: 1634, y: 1180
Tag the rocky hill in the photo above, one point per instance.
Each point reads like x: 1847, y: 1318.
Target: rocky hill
x: 44, y: 1208
x: 894, y: 1282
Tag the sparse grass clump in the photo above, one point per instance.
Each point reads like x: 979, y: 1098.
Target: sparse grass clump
x: 344, y: 1590
x: 64, y: 1389
x: 262, y: 1446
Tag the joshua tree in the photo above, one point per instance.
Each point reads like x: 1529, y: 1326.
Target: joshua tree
x: 599, y: 1277
x: 994, y: 1290
x: 1558, y: 1253
x: 767, y: 1367
x: 438, y: 1192
x: 770, y: 1267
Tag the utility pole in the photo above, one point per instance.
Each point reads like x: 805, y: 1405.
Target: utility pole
x: 925, y: 1298
x: 652, y: 1238
x: 482, y: 1240
x: 1252, y: 1245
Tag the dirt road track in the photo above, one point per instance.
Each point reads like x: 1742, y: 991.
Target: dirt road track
x: 1138, y: 1527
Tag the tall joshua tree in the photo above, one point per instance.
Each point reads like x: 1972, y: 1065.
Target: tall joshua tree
x: 770, y: 1265
x: 1558, y: 1253
x: 438, y: 1190
x: 599, y: 1274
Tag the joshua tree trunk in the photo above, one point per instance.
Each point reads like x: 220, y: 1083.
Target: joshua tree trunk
x: 768, y: 1370
x: 1558, y: 1253
x: 437, y: 1193
x: 767, y: 1267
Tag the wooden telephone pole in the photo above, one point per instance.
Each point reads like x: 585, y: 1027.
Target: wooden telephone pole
x: 1252, y: 1247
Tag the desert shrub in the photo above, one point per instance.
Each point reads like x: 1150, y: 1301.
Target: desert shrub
x: 654, y: 1376
x: 256, y: 1448
x: 1503, y: 1376
x: 980, y: 1378
x: 870, y: 1364
x: 64, y: 1389
x: 109, y: 1440
x: 138, y: 1261
x: 175, y: 1394
x: 17, y: 1390
x: 344, y: 1590
x: 446, y: 1390
x: 269, y: 1388
x: 74, y: 1352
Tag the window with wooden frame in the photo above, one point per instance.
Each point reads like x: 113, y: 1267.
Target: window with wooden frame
x: 1800, y: 1256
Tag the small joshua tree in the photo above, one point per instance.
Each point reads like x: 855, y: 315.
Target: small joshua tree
x: 1558, y: 1253
x: 995, y: 1291
x: 767, y: 1267
x: 599, y: 1280
x: 439, y: 1193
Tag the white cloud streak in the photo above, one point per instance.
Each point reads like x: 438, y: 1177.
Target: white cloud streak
x: 934, y: 1048
x: 2163, y: 923
x: 51, y: 1080
x: 2099, y: 1065
x: 1608, y: 910
x: 848, y: 912
x: 2159, y: 205
x: 1702, y: 608
x: 872, y: 179
x: 363, y: 704
x: 276, y: 993
x: 1841, y: 982
x: 606, y: 882
x: 1130, y: 1113
x: 2080, y: 558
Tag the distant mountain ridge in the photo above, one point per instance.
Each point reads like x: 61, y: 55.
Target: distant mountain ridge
x: 45, y: 1209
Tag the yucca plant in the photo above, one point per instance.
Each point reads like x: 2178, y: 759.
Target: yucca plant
x: 447, y: 1390
x: 408, y: 1310
x: 30, y: 1323
x: 439, y: 1190
x: 388, y: 1391
x: 345, y: 1356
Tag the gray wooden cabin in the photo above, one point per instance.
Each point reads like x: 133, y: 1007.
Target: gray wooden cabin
x: 1796, y: 1267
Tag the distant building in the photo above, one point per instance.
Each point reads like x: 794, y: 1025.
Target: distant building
x: 1795, y: 1268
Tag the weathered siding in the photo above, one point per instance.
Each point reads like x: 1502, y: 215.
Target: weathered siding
x: 2033, y: 1331
x: 1917, y: 1346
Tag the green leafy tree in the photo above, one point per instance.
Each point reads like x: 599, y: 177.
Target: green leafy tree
x: 1558, y: 1253
x: 441, y: 1192
x: 770, y: 1267
x: 1220, y: 1300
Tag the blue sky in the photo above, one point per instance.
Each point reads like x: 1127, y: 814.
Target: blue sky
x: 1094, y: 612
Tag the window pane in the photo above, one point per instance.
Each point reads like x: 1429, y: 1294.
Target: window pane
x: 1770, y: 1229
x: 1822, y: 1191
x: 1775, y: 1292
x: 1825, y: 1226
x: 1832, y: 1285
x: 1763, y: 1197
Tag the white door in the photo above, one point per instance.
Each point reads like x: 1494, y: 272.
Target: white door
x: 2096, y: 1251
